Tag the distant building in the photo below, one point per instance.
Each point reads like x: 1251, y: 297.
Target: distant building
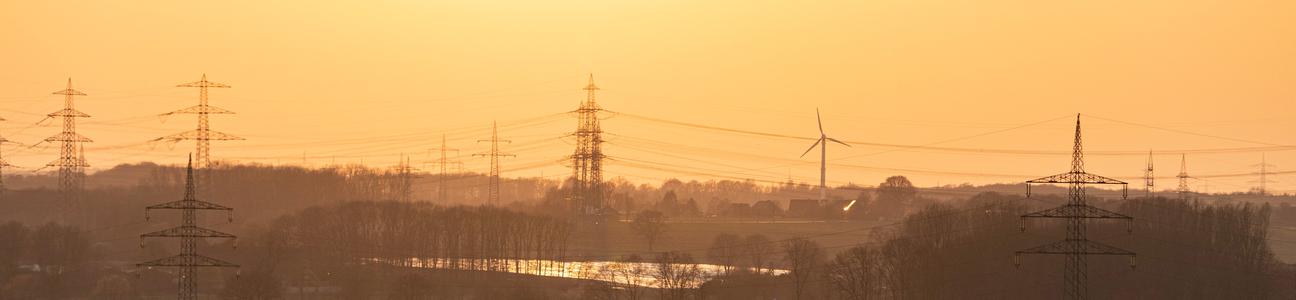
x: 738, y: 210
x: 804, y: 208
x: 766, y: 209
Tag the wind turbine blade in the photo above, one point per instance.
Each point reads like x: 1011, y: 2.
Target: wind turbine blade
x: 839, y: 142
x: 820, y: 120
x: 812, y: 147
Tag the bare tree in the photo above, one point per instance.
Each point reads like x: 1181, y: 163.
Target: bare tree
x: 804, y: 259
x: 650, y: 225
x: 631, y: 274
x: 725, y: 250
x: 677, y: 276
x: 758, y: 248
x: 858, y: 273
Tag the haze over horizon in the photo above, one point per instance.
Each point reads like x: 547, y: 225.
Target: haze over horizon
x: 368, y: 81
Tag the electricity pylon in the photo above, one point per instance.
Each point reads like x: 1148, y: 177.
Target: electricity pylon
x: 1264, y: 172
x: 1077, y: 246
x: 203, y: 135
x: 493, y: 193
x: 444, y: 163
x: 822, y: 143
x: 188, y: 261
x: 3, y: 163
x: 71, y: 161
x: 405, y: 184
x: 1183, y: 177
x: 587, y: 161
x: 1148, y: 178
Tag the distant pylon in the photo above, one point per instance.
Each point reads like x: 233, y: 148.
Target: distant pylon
x: 1183, y: 177
x: 1264, y: 172
x: 3, y: 163
x: 1076, y: 212
x: 444, y: 163
x: 405, y: 180
x: 203, y: 135
x: 188, y: 261
x: 587, y: 161
x: 1148, y: 178
x: 71, y: 161
x: 493, y: 193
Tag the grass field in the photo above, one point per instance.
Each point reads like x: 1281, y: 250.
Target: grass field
x: 1282, y: 239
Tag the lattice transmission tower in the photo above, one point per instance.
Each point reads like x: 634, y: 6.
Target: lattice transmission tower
x: 404, y: 185
x: 444, y: 163
x: 587, y: 161
x: 71, y: 161
x: 1184, y: 192
x: 493, y: 193
x: 1077, y: 246
x: 203, y: 135
x: 1149, y: 178
x: 1264, y: 172
x: 3, y: 163
x: 188, y: 261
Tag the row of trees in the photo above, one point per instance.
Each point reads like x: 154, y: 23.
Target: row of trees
x: 322, y: 242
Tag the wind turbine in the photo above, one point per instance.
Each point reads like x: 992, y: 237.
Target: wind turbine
x: 822, y: 143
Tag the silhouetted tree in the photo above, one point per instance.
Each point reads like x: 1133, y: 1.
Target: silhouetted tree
x: 726, y: 250
x: 758, y: 248
x: 804, y: 259
x: 650, y: 225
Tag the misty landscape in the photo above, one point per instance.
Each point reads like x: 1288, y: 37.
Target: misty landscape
x: 663, y: 150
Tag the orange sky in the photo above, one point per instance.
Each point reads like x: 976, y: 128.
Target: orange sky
x: 352, y: 81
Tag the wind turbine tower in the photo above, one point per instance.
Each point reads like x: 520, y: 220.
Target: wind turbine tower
x: 822, y: 143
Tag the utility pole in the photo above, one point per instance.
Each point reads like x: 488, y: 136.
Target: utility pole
x: 188, y: 261
x: 203, y: 135
x: 587, y: 161
x: 1148, y: 178
x: 1183, y: 177
x: 444, y: 163
x: 1077, y: 246
x: 71, y: 161
x: 492, y: 197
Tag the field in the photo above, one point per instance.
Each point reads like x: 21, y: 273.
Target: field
x: 1282, y: 239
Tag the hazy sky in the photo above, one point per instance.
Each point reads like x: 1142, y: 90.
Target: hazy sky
x: 364, y: 81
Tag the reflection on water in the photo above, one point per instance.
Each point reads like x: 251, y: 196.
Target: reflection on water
x: 626, y: 273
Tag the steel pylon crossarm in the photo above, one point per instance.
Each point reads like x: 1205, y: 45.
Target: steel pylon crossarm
x: 201, y: 109
x: 196, y: 134
x: 1077, y: 211
x: 1078, y: 247
x: 1076, y: 177
x: 187, y: 260
x: 188, y: 204
x: 188, y: 231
